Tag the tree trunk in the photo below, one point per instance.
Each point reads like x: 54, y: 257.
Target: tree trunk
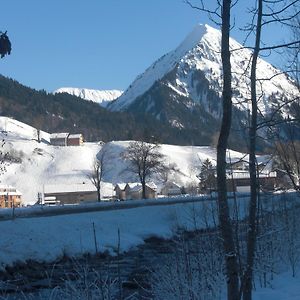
x: 99, y: 191
x: 224, y: 216
x: 143, y: 189
x: 252, y: 230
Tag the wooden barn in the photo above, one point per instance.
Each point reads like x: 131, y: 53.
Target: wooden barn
x: 71, y: 193
x: 66, y: 139
x: 75, y: 139
x: 59, y: 139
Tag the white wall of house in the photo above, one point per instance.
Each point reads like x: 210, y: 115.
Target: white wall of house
x: 243, y: 189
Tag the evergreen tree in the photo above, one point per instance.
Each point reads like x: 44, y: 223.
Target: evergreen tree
x: 207, y: 176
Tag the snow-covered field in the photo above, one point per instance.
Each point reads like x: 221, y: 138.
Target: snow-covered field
x: 43, y: 165
x: 47, y: 238
x: 283, y: 287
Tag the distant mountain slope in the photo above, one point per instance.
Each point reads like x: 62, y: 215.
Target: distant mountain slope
x: 184, y: 87
x: 67, y: 113
x: 103, y: 97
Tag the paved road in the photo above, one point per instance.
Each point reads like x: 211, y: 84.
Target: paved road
x: 45, y: 211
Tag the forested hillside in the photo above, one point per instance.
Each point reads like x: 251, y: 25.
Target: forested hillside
x: 64, y: 112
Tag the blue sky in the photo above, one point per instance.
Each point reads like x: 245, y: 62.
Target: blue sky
x: 99, y: 44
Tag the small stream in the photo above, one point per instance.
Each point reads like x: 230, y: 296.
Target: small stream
x: 28, y: 280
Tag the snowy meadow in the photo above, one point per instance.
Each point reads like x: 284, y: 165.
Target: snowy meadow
x: 193, y: 268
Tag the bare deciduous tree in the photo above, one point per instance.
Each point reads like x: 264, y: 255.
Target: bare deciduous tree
x: 100, y: 167
x: 224, y: 215
x: 266, y: 13
x: 169, y: 171
x: 223, y: 13
x: 144, y: 160
x: 252, y: 228
x: 287, y: 148
x: 288, y: 157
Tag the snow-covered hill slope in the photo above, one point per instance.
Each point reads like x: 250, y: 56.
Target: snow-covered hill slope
x: 103, y: 97
x: 12, y: 129
x: 192, y: 72
x: 36, y: 165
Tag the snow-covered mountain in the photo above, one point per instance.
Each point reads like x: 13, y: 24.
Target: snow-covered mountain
x: 187, y: 82
x: 103, y: 97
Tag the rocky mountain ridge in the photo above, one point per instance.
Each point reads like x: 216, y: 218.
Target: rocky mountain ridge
x: 102, y: 97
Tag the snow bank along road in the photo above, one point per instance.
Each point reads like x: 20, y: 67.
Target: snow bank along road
x: 43, y: 210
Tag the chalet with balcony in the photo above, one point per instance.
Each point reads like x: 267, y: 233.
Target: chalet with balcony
x: 239, y: 181
x: 10, y: 197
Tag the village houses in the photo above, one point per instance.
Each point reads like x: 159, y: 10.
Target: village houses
x: 134, y: 191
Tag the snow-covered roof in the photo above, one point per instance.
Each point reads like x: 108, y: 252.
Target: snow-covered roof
x: 59, y: 135
x: 106, y: 188
x: 246, y: 174
x: 9, y: 190
x: 121, y: 186
x: 131, y: 185
x: 172, y: 184
x: 69, y: 188
x: 75, y: 136
x: 137, y: 186
x: 3, y: 186
x: 151, y: 185
x: 16, y: 193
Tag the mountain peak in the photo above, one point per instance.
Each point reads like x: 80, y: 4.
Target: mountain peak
x: 166, y: 63
x: 193, y: 38
x: 194, y: 70
x: 103, y: 97
x: 200, y: 31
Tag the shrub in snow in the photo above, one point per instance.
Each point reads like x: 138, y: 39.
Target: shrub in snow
x: 195, y: 269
